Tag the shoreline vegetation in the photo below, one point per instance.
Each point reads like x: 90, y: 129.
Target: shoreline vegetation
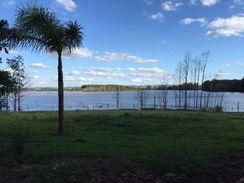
x: 210, y: 86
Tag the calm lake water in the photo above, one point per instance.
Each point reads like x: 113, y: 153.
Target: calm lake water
x: 48, y: 100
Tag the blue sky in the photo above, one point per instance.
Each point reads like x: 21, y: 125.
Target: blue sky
x: 139, y: 41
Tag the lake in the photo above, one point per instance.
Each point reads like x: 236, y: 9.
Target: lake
x: 77, y: 100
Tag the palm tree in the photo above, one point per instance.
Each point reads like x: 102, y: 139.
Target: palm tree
x: 42, y: 31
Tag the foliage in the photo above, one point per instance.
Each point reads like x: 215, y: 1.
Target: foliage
x: 8, y: 37
x: 41, y: 30
x: 94, y: 88
x: 224, y: 85
x: 16, y: 64
x: 6, y: 87
x: 4, y: 33
x: 12, y: 82
x: 218, y: 108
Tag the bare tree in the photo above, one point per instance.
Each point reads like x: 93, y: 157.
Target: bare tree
x: 163, y: 98
x: 204, y: 60
x: 179, y: 81
x: 194, y: 80
x: 154, y: 99
x: 185, y: 73
x: 163, y: 94
x: 142, y: 96
x: 117, y: 97
x: 198, y: 70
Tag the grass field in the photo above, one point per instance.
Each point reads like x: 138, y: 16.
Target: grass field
x: 158, y: 141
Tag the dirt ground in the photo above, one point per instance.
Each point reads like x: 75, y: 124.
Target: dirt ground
x: 229, y: 170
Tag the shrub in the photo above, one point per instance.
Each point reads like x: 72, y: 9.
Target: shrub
x: 218, y: 108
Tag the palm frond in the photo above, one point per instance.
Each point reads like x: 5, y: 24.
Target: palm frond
x: 37, y: 25
x: 73, y: 35
x: 41, y: 30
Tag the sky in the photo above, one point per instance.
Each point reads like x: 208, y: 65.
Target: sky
x: 138, y: 42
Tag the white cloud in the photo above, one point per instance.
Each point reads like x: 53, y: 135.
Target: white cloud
x: 238, y: 2
x: 149, y: 2
x: 79, y: 53
x: 39, y: 80
x: 103, y: 75
x: 85, y: 79
x: 141, y: 81
x: 75, y: 81
x: 209, y: 2
x: 193, y: 1
x: 8, y: 2
x: 74, y: 73
x: 103, y: 72
x: 131, y: 69
x: 171, y: 5
x: 119, y: 69
x: 68, y: 5
x: 226, y: 27
x: 187, y: 21
x: 153, y: 72
x: 222, y: 75
x: 38, y: 66
x: 157, y: 16
x: 235, y: 63
x: 109, y: 57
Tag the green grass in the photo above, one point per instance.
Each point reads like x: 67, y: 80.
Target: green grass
x: 159, y: 140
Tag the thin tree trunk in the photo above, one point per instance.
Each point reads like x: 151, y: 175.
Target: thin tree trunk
x: 15, y: 101
x: 154, y: 100
x: 60, y: 96
x: 19, y: 100
x: 7, y: 102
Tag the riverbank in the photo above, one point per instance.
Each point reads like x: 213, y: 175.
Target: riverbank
x: 106, y: 146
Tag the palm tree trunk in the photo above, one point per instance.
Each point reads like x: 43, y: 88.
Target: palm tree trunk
x: 60, y: 96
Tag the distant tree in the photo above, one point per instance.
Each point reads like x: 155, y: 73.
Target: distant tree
x: 117, y: 96
x: 16, y: 64
x: 179, y: 78
x: 204, y: 61
x: 155, y: 95
x: 42, y: 31
x: 217, y: 85
x: 6, y: 87
x: 142, y: 96
x: 163, y: 93
x: 185, y: 73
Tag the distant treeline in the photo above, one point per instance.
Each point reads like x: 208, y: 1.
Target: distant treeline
x: 51, y: 89
x: 214, y: 85
x: 224, y: 85
x: 100, y: 88
x: 188, y: 86
x: 110, y: 87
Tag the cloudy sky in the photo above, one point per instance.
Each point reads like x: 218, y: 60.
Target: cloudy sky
x: 139, y: 41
